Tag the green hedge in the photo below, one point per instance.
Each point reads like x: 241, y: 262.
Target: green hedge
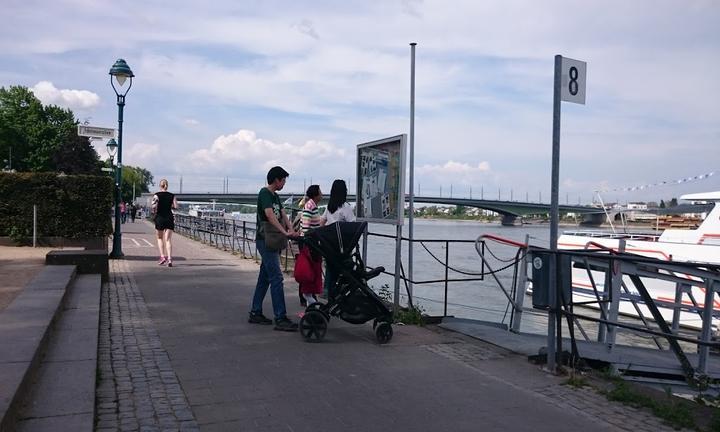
x: 69, y: 206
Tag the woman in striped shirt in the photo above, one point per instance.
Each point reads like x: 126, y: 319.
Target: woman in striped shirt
x: 311, y: 219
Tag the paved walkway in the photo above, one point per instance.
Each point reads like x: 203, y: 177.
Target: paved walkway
x: 177, y: 353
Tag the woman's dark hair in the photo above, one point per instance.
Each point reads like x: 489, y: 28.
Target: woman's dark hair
x: 338, y: 195
x: 312, y: 191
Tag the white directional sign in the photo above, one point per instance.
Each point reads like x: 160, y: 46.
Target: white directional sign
x: 106, y: 169
x: 572, y: 84
x: 95, y: 132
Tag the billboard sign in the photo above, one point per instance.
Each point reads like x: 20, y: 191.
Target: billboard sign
x: 381, y: 180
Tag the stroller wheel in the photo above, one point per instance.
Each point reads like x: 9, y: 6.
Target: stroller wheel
x: 383, y: 332
x: 313, y: 326
x: 316, y: 307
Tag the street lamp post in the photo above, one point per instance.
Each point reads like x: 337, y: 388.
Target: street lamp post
x: 121, y: 71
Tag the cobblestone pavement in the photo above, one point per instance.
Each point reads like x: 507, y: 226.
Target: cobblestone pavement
x: 585, y: 400
x: 137, y: 387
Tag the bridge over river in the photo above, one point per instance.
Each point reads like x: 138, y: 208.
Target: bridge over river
x: 509, y: 210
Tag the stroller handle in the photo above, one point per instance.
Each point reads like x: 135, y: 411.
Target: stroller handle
x: 369, y: 274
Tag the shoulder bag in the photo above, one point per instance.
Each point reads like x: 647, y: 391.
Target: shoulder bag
x: 275, y: 240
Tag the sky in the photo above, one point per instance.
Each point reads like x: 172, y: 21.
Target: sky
x: 228, y: 89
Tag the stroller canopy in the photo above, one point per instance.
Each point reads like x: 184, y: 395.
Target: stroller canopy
x: 339, y: 238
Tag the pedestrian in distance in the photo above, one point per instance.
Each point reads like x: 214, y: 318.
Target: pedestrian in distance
x: 133, y: 212
x: 310, y: 219
x: 338, y: 210
x: 270, y: 210
x: 163, y: 203
x: 123, y: 212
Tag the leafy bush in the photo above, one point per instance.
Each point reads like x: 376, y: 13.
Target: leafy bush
x: 69, y: 206
x: 406, y: 315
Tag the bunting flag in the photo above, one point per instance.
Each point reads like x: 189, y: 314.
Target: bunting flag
x: 662, y: 183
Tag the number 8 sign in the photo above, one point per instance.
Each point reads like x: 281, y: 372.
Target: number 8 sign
x: 572, y: 84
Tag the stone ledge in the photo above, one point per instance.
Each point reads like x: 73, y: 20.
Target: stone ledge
x: 92, y: 261
x: 24, y: 326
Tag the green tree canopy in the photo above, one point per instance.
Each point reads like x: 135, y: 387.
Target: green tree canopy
x: 139, y: 177
x: 41, y: 138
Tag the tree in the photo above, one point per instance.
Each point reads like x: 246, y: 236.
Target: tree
x: 75, y: 155
x: 21, y: 113
x: 459, y: 210
x: 673, y: 203
x: 662, y: 203
x: 139, y: 177
x: 34, y: 133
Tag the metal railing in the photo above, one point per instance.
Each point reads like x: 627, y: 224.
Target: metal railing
x: 230, y: 235
x: 625, y: 278
x: 446, y: 280
x: 239, y: 237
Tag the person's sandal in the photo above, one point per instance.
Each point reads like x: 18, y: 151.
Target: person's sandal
x: 162, y: 261
x: 169, y: 263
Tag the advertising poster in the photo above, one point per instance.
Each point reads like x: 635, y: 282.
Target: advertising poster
x: 381, y: 180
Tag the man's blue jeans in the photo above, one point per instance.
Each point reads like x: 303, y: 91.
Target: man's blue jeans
x: 270, y: 276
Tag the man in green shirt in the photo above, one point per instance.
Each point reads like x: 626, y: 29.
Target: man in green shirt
x: 270, y: 210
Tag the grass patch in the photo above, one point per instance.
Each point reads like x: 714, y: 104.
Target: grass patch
x: 406, y: 315
x: 676, y: 413
x: 577, y: 380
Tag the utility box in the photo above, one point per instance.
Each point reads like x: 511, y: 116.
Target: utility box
x: 540, y: 261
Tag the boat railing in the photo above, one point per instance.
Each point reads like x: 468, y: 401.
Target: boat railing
x: 601, y: 234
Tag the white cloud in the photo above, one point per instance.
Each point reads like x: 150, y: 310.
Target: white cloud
x: 142, y: 154
x: 306, y: 27
x: 73, y: 99
x: 455, y: 172
x: 191, y: 122
x: 244, y: 151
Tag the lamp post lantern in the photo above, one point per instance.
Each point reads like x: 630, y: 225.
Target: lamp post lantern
x: 111, y: 147
x: 121, y: 72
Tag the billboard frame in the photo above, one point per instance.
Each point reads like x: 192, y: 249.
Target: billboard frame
x: 396, y: 164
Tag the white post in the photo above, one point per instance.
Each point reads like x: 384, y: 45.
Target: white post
x: 411, y: 197
x: 34, y: 225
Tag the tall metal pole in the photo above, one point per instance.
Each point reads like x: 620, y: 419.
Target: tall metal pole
x: 554, y: 189
x: 412, y: 170
x: 117, y: 235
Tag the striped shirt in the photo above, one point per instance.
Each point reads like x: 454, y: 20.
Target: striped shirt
x: 310, y: 217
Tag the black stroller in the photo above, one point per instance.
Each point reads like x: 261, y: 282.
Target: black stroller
x: 350, y: 299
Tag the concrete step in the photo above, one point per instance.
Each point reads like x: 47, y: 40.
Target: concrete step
x: 24, y: 328
x: 62, y: 398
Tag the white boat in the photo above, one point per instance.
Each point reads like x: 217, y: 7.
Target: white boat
x: 701, y: 245
x: 206, y: 212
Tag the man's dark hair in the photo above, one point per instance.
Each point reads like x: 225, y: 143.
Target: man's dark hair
x: 312, y: 191
x: 338, y: 195
x: 276, y: 172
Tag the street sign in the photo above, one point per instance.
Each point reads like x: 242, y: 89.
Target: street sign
x: 572, y: 84
x: 95, y: 132
x: 106, y: 169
